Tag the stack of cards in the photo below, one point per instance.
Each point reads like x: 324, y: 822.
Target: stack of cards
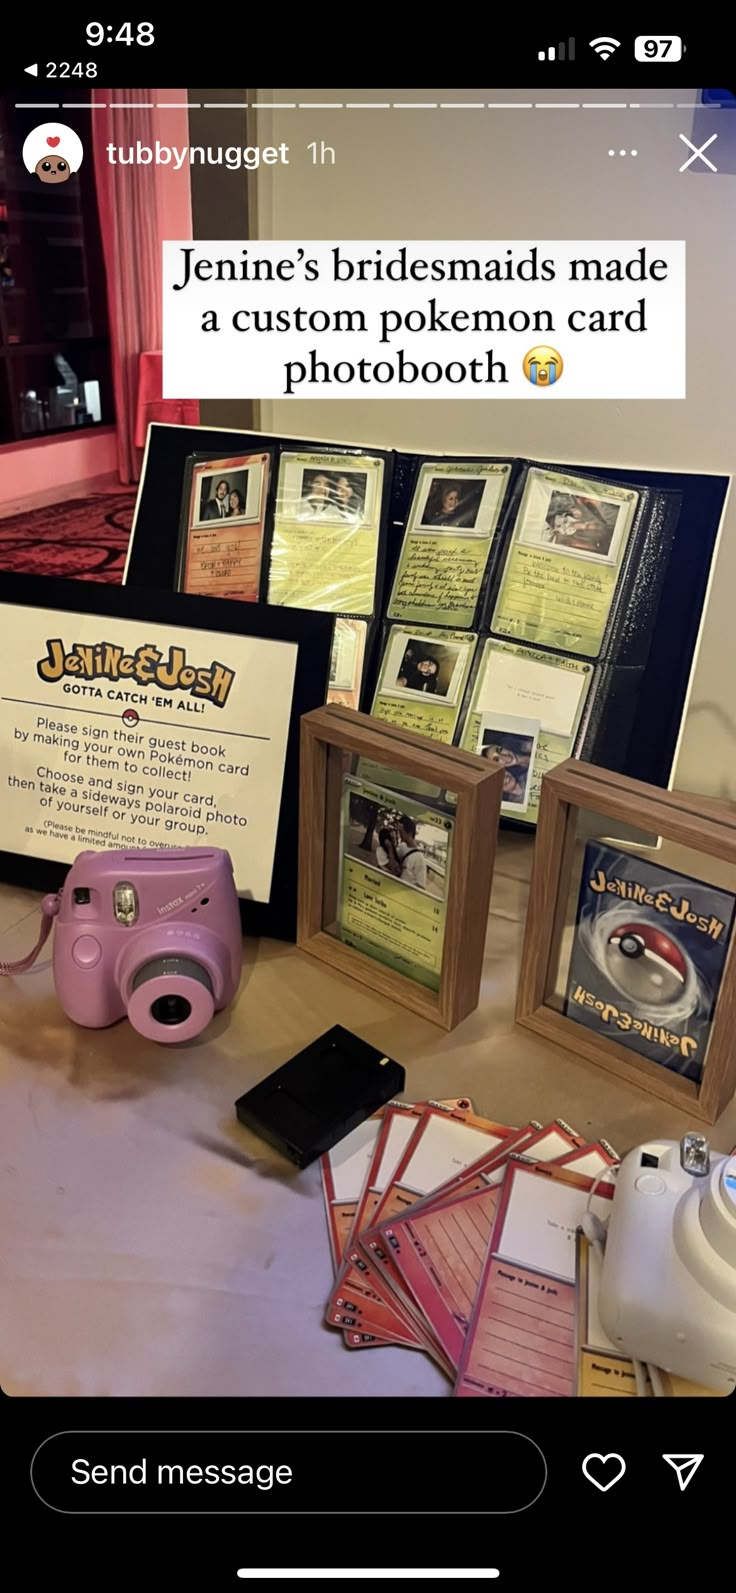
x: 461, y: 1237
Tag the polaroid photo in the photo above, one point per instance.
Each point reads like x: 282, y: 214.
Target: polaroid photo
x: 582, y: 518
x: 420, y: 665
x: 220, y: 549
x: 229, y: 492
x: 328, y: 490
x: 458, y: 498
x: 400, y: 843
x: 509, y: 741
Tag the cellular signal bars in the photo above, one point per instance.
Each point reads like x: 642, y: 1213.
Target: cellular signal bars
x: 558, y: 52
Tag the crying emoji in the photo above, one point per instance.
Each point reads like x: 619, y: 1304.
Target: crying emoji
x: 543, y: 366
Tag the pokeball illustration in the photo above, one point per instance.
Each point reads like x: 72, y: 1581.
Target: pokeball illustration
x: 645, y: 964
x: 130, y: 717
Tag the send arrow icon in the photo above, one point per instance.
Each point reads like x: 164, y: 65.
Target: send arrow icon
x: 685, y: 1466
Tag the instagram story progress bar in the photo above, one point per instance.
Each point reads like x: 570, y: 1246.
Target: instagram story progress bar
x: 271, y: 1575
x: 558, y: 52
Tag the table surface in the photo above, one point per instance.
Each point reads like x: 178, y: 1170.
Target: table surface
x: 152, y: 1245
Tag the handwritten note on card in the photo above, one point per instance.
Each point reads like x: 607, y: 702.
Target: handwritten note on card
x: 439, y: 579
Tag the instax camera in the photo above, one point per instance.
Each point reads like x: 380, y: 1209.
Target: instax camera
x: 668, y: 1281
x: 154, y: 936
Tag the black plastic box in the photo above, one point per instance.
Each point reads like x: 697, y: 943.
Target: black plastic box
x: 320, y: 1095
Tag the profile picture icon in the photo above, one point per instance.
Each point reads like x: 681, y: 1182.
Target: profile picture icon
x: 53, y: 151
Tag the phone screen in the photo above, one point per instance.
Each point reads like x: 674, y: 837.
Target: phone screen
x: 451, y: 365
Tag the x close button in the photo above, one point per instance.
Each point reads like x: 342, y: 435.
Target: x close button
x: 697, y: 152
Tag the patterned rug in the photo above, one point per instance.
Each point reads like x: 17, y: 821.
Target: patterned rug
x: 84, y: 539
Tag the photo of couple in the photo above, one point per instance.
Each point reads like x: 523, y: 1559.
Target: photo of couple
x: 333, y: 495
x: 514, y: 753
x: 576, y: 524
x: 411, y: 850
x: 223, y: 497
x: 451, y: 504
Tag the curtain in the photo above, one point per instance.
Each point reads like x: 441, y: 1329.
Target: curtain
x: 129, y: 209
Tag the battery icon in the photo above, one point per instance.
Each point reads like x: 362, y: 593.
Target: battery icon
x: 662, y: 47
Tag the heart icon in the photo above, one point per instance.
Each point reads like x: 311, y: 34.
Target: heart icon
x: 53, y: 142
x: 604, y: 1465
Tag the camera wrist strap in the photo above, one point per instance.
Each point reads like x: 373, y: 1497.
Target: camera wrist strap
x: 49, y: 909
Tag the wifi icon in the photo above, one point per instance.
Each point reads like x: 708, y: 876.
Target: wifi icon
x: 605, y: 47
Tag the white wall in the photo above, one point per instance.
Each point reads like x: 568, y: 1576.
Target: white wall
x: 505, y: 174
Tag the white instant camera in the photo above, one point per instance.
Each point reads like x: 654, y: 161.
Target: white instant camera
x: 668, y: 1281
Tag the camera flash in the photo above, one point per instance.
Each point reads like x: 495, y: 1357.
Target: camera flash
x: 695, y: 1155
x: 125, y: 903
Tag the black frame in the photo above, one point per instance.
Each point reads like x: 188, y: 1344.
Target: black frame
x: 629, y: 724
x: 312, y: 632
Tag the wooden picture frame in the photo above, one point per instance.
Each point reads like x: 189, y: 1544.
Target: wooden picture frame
x: 701, y: 823
x: 330, y: 737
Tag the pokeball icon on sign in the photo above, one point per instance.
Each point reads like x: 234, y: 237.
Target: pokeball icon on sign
x: 130, y: 717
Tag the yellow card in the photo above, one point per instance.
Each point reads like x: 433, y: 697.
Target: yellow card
x: 324, y: 550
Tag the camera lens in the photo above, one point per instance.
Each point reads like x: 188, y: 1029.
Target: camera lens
x: 81, y: 897
x: 171, y: 1009
x: 171, y: 998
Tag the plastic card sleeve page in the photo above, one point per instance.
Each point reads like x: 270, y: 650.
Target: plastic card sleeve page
x: 564, y: 561
x: 437, y: 1252
x: 222, y: 533
x: 395, y: 861
x: 449, y: 534
x: 521, y: 1338
x: 326, y: 532
x: 125, y: 733
x: 422, y: 679
x: 525, y: 711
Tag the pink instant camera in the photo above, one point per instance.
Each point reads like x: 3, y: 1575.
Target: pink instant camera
x: 155, y: 935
